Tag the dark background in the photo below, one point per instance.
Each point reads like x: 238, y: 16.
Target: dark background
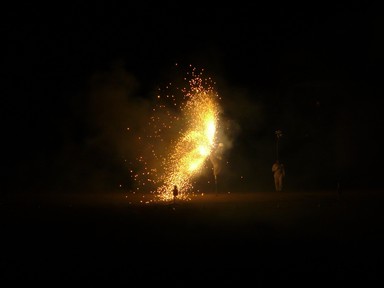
x: 76, y: 75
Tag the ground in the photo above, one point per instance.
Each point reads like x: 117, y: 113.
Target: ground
x: 313, y: 238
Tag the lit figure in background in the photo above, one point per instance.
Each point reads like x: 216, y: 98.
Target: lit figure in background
x: 278, y: 175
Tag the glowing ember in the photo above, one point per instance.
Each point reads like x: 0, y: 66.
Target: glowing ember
x: 182, y: 138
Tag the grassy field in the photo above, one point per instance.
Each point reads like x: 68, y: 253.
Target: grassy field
x: 259, y: 239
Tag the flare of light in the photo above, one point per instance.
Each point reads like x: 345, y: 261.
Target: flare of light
x: 196, y: 141
x: 184, y: 135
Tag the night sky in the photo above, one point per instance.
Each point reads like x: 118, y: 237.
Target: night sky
x: 76, y: 75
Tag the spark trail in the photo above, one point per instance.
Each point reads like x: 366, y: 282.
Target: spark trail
x: 182, y: 139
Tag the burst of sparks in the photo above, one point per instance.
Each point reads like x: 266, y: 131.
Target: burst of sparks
x: 184, y: 136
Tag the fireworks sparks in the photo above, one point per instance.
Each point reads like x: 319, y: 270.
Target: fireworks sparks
x: 181, y: 138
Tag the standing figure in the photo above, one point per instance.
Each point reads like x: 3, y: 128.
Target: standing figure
x: 278, y: 175
x: 175, y: 193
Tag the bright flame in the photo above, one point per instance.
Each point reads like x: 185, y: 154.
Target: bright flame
x: 194, y: 146
x: 192, y: 133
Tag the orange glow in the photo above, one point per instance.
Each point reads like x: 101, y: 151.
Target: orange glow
x: 183, y: 137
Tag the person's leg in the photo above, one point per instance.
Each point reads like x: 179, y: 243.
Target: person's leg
x: 280, y: 183
x: 276, y: 182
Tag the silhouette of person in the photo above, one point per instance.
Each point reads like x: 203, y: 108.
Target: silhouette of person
x: 278, y: 175
x: 175, y: 193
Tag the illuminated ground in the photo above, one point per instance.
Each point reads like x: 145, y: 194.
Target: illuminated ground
x: 256, y: 238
